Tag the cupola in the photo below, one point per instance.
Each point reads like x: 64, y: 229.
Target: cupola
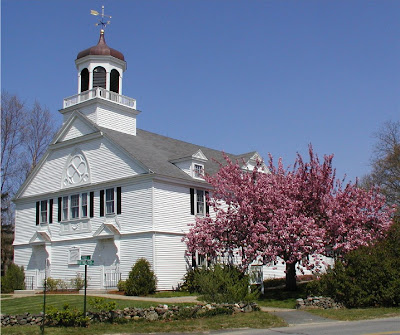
x: 100, y: 72
x: 100, y: 66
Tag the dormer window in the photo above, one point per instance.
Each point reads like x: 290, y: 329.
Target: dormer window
x: 198, y: 170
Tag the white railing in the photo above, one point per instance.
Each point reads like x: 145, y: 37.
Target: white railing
x: 99, y: 92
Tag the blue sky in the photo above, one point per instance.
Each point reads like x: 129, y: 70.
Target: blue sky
x: 271, y: 76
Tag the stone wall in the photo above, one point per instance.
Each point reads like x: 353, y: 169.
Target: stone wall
x: 318, y: 302
x: 132, y: 313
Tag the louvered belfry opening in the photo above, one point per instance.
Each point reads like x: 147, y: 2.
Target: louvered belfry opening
x: 84, y: 80
x: 114, y: 81
x: 99, y: 77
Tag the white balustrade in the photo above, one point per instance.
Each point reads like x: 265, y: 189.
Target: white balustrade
x: 99, y: 92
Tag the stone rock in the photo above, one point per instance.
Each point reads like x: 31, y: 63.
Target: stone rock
x: 151, y: 316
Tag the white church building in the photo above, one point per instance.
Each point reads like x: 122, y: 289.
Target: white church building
x: 109, y: 190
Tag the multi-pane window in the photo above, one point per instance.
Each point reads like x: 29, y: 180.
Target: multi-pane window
x: 84, y: 205
x: 200, y: 202
x: 75, y: 206
x: 43, y: 211
x: 198, y: 170
x: 65, y: 208
x: 110, y: 201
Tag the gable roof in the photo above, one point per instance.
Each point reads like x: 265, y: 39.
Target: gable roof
x: 156, y: 152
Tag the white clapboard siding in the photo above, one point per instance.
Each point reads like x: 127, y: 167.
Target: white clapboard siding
x: 136, y: 214
x: 106, y: 162
x: 172, y: 208
x: 77, y: 129
x: 89, y: 111
x: 25, y: 216
x: 136, y: 207
x: 117, y: 120
x: 132, y: 248
x: 171, y: 264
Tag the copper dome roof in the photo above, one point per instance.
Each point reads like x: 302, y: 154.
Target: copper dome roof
x: 101, y: 49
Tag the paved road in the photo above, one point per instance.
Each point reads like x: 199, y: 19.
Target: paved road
x: 388, y: 326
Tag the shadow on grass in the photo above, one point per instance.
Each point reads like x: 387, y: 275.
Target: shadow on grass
x: 279, y: 297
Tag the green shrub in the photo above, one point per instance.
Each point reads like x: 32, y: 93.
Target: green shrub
x: 66, y: 317
x: 141, y: 280
x: 369, y: 276
x: 224, y: 284
x: 78, y: 282
x: 102, y: 305
x: 52, y: 284
x: 190, y: 280
x: 121, y: 285
x: 14, y: 279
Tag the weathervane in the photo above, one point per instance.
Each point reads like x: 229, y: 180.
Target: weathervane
x: 101, y: 22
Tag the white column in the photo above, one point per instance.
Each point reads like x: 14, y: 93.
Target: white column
x: 107, y: 80
x: 90, y: 79
x: 120, y: 83
x: 79, y: 82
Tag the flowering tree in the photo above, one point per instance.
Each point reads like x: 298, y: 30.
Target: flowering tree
x: 290, y: 214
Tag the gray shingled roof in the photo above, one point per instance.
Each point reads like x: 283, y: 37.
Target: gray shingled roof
x: 156, y: 152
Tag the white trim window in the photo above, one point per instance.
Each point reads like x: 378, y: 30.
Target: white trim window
x: 65, y: 208
x: 198, y: 171
x: 73, y: 207
x: 198, y: 202
x: 43, y: 211
x: 110, y: 201
x: 84, y: 205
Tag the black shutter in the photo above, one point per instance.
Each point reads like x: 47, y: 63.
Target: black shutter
x: 51, y: 211
x: 192, y: 201
x: 207, y: 206
x: 119, y: 206
x: 37, y: 212
x: 102, y: 203
x: 91, y: 204
x: 59, y: 208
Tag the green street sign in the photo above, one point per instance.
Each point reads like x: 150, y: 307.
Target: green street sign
x: 85, y: 257
x: 85, y: 262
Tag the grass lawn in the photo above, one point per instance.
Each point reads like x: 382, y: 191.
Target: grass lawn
x: 281, y: 298
x: 356, y: 313
x: 171, y: 294
x: 34, y: 305
x: 243, y: 320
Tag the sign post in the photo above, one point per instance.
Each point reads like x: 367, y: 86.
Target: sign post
x: 85, y: 260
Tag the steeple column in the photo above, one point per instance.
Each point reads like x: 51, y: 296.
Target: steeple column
x: 120, y: 84
x: 107, y: 80
x: 79, y: 83
x: 90, y: 79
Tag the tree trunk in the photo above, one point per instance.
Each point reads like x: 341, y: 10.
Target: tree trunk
x: 291, y: 277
